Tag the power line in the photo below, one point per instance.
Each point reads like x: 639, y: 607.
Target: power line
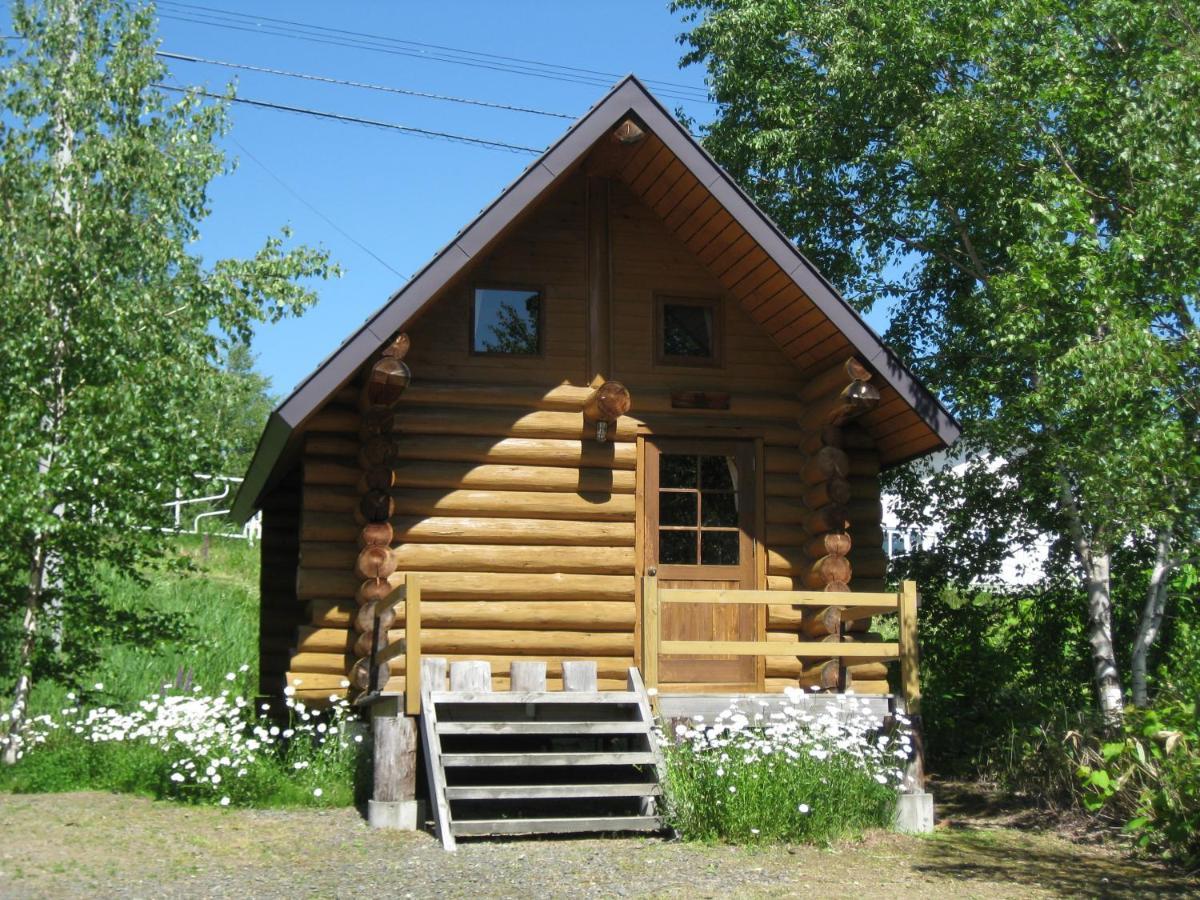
x: 674, y: 85
x: 357, y: 120
x: 360, y: 84
x: 332, y: 224
x: 221, y: 19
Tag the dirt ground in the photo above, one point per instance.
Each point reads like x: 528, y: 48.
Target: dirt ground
x: 103, y: 845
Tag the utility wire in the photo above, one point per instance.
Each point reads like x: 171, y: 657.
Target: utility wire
x: 374, y: 44
x: 332, y: 224
x: 356, y: 120
x: 442, y: 47
x: 359, y: 84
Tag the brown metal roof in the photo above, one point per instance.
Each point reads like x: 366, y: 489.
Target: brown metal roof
x: 707, y: 210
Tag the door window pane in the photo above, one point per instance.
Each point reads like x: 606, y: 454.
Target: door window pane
x: 719, y: 509
x: 720, y: 548
x: 718, y: 473
x: 676, y: 471
x: 677, y: 548
x: 677, y: 508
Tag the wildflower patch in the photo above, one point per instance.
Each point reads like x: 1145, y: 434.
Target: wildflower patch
x: 196, y: 746
x: 792, y: 775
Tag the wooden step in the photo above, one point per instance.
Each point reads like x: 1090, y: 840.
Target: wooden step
x: 462, y: 828
x: 547, y: 759
x: 556, y: 697
x: 501, y: 728
x: 550, y: 791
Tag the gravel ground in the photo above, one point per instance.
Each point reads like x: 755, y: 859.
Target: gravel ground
x: 103, y: 845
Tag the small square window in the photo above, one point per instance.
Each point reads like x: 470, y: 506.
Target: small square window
x: 507, y: 321
x: 688, y: 332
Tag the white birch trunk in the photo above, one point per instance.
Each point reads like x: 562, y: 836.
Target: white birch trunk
x: 1096, y: 564
x: 1151, y: 619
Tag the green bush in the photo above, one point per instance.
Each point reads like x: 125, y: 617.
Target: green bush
x: 793, y: 777
x: 1149, y: 781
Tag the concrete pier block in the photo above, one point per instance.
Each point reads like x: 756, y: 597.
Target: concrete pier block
x: 914, y: 813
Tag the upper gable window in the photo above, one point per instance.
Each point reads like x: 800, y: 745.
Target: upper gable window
x: 507, y: 321
x: 689, y: 331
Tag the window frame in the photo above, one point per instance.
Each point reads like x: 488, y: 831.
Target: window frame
x: 716, y: 305
x: 541, y: 319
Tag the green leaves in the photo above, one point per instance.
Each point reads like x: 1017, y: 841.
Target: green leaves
x: 1021, y: 183
x: 113, y: 335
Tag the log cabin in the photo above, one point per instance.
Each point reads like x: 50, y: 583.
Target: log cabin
x: 621, y: 379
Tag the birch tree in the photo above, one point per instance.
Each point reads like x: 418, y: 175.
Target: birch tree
x: 1021, y: 180
x: 111, y: 328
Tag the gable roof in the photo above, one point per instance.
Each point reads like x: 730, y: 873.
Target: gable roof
x: 747, y: 252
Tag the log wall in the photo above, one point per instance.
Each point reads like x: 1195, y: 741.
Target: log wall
x: 521, y: 523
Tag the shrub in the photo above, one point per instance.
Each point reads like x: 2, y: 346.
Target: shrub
x: 790, y: 776
x: 206, y: 748
x: 1149, y: 781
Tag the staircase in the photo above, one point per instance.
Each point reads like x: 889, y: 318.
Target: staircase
x: 541, y: 762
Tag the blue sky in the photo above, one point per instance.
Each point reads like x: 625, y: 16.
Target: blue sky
x: 400, y: 197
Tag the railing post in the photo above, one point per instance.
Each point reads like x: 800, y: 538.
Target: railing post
x: 650, y: 634
x: 412, y: 644
x: 909, y: 673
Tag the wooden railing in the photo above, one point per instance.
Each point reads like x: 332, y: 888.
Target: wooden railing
x: 903, y: 603
x: 408, y: 594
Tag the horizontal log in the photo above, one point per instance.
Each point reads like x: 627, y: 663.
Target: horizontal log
x: 833, y: 379
x: 825, y: 570
x: 785, y: 511
x: 606, y: 666
x: 831, y: 543
x: 385, y: 382
x: 607, y: 403
x: 765, y: 648
x: 813, y: 438
x: 318, y: 526
x: 472, y: 558
x: 500, y: 642
x: 376, y: 534
x: 379, y: 614
x: 612, y: 454
x: 865, y: 489
x: 374, y: 590
x: 422, y: 474
x: 821, y: 622
x: 324, y: 663
x: 373, y: 506
x: 332, y: 584
x: 334, y: 417
x: 568, y: 398
x: 504, y: 423
x: 872, y: 671
x: 825, y: 676
x: 786, y: 561
x: 320, y: 470
x: 835, y: 491
x: 369, y: 563
x: 826, y: 463
x: 509, y: 504
x: 535, y: 615
x: 319, y: 697
x: 865, y: 686
x: 869, y: 562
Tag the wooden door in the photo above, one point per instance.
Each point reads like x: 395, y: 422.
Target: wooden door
x: 699, y: 514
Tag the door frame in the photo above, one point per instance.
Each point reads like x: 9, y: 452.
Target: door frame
x: 644, y: 544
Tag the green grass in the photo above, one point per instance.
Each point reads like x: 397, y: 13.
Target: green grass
x: 204, y: 624
x: 212, y: 613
